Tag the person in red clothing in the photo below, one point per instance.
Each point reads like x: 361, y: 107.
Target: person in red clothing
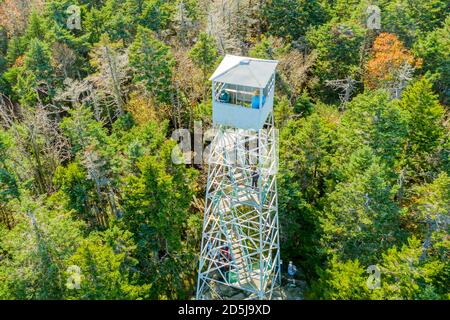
x: 225, y: 260
x: 227, y: 256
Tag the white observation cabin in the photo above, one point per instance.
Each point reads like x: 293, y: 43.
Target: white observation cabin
x: 242, y: 92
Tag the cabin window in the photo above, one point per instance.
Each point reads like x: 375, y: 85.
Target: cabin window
x: 239, y: 95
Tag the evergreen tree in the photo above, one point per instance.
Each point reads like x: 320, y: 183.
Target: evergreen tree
x: 9, y: 189
x: 82, y: 129
x: 341, y: 280
x: 15, y: 50
x: 156, y: 206
x: 36, y: 81
x: 372, y: 119
x: 292, y: 18
x: 338, y: 46
x: 406, y: 276
x: 410, y: 18
x: 425, y: 129
x: 152, y: 63
x: 204, y: 54
x: 38, y: 247
x: 36, y: 28
x: 305, y: 151
x: 37, y: 61
x: 360, y: 217
x: 432, y: 48
x: 104, y: 264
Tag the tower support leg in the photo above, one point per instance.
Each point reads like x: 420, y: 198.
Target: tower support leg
x: 240, y: 239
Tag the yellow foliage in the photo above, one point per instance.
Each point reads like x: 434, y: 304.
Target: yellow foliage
x: 142, y: 108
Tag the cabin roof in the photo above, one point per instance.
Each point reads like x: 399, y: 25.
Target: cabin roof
x: 244, y: 71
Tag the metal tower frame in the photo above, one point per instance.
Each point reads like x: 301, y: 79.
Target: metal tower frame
x: 240, y: 240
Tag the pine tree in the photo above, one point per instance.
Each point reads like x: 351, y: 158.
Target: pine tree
x: 372, y: 119
x: 36, y: 81
x: 204, y: 54
x: 82, y: 129
x: 38, y: 61
x: 410, y: 18
x: 305, y: 151
x: 337, y: 45
x: 187, y: 20
x: 292, y: 18
x: 3, y: 49
x: 35, y: 28
x: 406, y: 276
x: 9, y: 189
x: 44, y: 237
x: 341, y: 280
x: 360, y: 217
x: 432, y: 48
x: 426, y: 131
x: 152, y: 63
x: 156, y: 15
x: 15, y: 50
x: 155, y: 203
x: 105, y: 265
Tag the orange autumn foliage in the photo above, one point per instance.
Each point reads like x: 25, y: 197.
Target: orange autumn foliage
x: 388, y: 55
x: 19, y: 61
x: 14, y: 14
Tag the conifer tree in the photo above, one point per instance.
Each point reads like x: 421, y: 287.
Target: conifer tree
x: 152, y: 63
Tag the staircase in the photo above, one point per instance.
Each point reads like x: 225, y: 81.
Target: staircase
x: 241, y: 266
x: 239, y: 262
x: 242, y: 274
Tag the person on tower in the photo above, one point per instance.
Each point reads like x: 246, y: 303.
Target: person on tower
x: 255, y: 177
x: 292, y: 270
x: 255, y: 100
x: 225, y: 261
x: 224, y: 97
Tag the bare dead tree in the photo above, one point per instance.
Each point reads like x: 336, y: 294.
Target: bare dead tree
x: 185, y: 26
x: 98, y: 172
x: 401, y: 78
x: 64, y: 59
x: 74, y: 91
x: 109, y: 82
x: 40, y: 147
x: 228, y: 22
x: 294, y: 69
x: 345, y: 86
x: 7, y: 111
x: 79, y: 92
